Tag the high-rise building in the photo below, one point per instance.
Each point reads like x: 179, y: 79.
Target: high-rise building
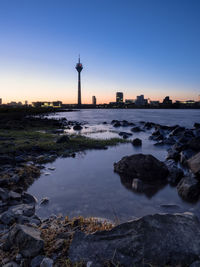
x: 0, y: 101
x: 119, y: 97
x: 141, y: 101
x: 79, y: 68
x: 94, y: 100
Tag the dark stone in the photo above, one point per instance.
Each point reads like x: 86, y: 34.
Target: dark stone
x: 137, y: 142
x: 177, y: 131
x: 173, y: 154
x: 194, y: 144
x: 136, y: 129
x: 185, y: 155
x: 144, y: 167
x: 160, y: 239
x: 197, y: 125
x: 6, y: 160
x: 44, y: 201
x: 27, y: 239
x: 194, y: 164
x: 36, y: 261
x: 63, y: 139
x: 77, y: 127
x: 188, y: 188
x: 117, y: 124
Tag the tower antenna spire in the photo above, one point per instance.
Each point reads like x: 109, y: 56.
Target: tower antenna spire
x: 79, y: 58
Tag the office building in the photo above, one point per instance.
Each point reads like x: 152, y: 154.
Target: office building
x: 119, y: 97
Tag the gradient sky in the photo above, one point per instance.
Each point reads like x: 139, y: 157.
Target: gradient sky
x: 149, y: 47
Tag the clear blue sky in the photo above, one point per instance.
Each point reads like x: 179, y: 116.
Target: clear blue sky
x: 149, y: 47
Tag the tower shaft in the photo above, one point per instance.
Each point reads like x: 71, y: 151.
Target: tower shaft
x: 79, y: 89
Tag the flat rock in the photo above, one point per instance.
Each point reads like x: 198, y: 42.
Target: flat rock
x: 27, y: 239
x: 160, y: 239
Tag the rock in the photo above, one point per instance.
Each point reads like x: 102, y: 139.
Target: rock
x: 117, y: 124
x: 137, y: 142
x: 173, y: 154
x: 175, y: 173
x: 44, y: 201
x: 188, y: 188
x: 77, y: 127
x: 185, y: 155
x: 160, y: 239
x: 37, y: 261
x: 144, y: 167
x: 125, y: 133
x: 194, y: 164
x: 177, y: 131
x: 11, y: 264
x: 28, y: 199
x: 136, y: 129
x: 27, y: 239
x: 63, y: 139
x: 15, y: 212
x: 46, y: 262
x: 14, y: 195
x: 194, y: 144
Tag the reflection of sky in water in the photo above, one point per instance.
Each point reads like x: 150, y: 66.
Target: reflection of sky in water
x: 86, y: 185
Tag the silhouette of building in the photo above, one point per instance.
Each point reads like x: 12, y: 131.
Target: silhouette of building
x: 167, y: 101
x: 26, y: 102
x: 0, y: 101
x: 54, y: 104
x: 119, y: 97
x: 94, y: 100
x: 129, y: 101
x: 79, y: 68
x: 141, y: 101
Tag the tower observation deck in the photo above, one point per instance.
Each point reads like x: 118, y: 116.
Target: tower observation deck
x: 79, y: 68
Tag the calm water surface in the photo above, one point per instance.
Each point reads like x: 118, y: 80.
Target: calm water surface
x: 86, y: 185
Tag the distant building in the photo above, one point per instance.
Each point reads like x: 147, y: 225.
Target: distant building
x: 141, y: 101
x: 94, y: 100
x: 119, y: 97
x: 26, y: 103
x: 0, y: 101
x: 167, y: 101
x: 54, y: 104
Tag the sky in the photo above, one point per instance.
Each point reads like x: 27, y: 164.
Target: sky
x: 149, y: 47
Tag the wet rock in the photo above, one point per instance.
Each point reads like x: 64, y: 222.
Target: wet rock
x: 136, y: 129
x: 194, y: 164
x: 46, y: 262
x: 27, y: 239
x: 173, y: 154
x: 125, y: 135
x: 144, y: 167
x: 177, y: 131
x: 185, y: 155
x: 44, y: 201
x: 77, y: 127
x: 188, y: 188
x: 141, y: 240
x: 175, y: 173
x: 137, y: 142
x: 28, y: 199
x: 63, y: 139
x: 117, y: 124
x: 36, y: 261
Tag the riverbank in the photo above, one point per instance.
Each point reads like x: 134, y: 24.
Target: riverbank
x: 27, y: 240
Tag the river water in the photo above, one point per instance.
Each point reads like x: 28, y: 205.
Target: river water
x: 86, y: 185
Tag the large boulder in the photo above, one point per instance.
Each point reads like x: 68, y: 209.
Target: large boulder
x: 188, y: 188
x: 175, y: 173
x: 144, y: 167
x: 27, y: 239
x: 160, y: 239
x: 194, y: 164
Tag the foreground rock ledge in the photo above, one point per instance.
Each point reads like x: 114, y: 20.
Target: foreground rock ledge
x: 160, y: 239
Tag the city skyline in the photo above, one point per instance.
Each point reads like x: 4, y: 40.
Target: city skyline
x: 137, y: 47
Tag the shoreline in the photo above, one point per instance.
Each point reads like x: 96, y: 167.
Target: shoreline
x: 33, y: 148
